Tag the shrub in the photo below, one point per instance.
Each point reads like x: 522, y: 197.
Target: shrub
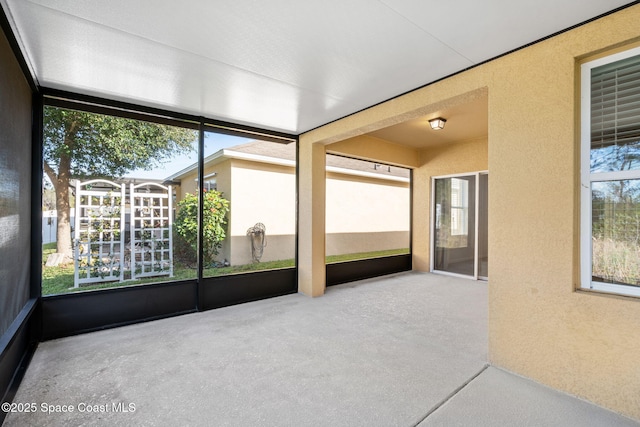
x: 183, y: 252
x: 213, y: 225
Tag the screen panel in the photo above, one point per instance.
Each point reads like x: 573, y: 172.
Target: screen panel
x: 15, y: 186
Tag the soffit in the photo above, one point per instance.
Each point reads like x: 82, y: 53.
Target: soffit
x: 465, y: 121
x: 284, y: 65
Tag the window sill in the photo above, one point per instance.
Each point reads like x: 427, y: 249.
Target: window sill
x: 609, y: 293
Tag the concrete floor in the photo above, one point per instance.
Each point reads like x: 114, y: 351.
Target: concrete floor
x: 403, y: 350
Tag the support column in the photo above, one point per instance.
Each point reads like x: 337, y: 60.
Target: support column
x: 311, y: 218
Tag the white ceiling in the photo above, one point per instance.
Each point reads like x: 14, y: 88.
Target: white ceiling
x: 286, y: 65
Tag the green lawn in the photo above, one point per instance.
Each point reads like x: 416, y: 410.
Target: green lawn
x: 59, y: 280
x: 362, y: 255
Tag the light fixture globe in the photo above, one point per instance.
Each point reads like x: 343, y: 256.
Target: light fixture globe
x: 437, y: 123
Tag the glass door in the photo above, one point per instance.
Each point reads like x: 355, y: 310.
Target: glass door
x: 459, y: 227
x: 483, y: 226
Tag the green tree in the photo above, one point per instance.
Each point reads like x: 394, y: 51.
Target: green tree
x: 81, y: 145
x: 213, y: 225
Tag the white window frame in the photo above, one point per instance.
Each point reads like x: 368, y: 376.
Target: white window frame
x: 209, y: 182
x: 587, y: 178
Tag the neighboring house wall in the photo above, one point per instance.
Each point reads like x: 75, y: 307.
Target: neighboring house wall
x: 262, y: 193
x: 189, y: 183
x: 365, y: 214
x: 540, y: 325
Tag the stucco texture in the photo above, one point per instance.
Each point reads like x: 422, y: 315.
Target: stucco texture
x: 540, y: 326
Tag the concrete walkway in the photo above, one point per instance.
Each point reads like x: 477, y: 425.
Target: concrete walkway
x: 404, y: 350
x: 499, y: 398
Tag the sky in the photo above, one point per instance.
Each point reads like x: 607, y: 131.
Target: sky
x: 213, y: 142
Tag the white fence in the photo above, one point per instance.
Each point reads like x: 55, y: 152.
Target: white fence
x: 50, y: 225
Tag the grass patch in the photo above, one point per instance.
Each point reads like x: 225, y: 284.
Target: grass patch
x: 616, y: 261
x: 59, y: 280
x: 48, y: 249
x: 363, y: 255
x: 269, y: 265
x: 56, y: 280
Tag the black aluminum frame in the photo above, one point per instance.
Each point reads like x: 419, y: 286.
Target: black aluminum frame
x: 350, y: 271
x: 20, y: 341
x: 75, y: 313
x: 57, y: 316
x: 71, y: 314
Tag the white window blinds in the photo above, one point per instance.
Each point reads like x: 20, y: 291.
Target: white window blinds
x: 615, y: 103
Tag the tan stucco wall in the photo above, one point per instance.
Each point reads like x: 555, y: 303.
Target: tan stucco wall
x: 586, y: 344
x: 365, y: 214
x: 311, y: 217
x: 222, y: 171
x: 262, y: 193
x: 539, y: 326
x: 375, y: 149
x: 351, y: 243
x: 358, y: 204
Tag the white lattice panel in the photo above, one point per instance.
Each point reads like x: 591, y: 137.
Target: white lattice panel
x: 99, y: 236
x: 151, y: 244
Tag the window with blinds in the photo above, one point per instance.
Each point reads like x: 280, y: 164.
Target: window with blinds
x: 610, y: 173
x: 615, y: 113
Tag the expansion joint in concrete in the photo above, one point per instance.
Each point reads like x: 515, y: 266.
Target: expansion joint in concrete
x: 451, y: 395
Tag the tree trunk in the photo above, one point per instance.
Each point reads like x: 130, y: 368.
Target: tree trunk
x: 63, y: 232
x: 61, y: 182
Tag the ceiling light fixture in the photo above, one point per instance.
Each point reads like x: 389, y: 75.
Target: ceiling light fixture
x: 437, y: 123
